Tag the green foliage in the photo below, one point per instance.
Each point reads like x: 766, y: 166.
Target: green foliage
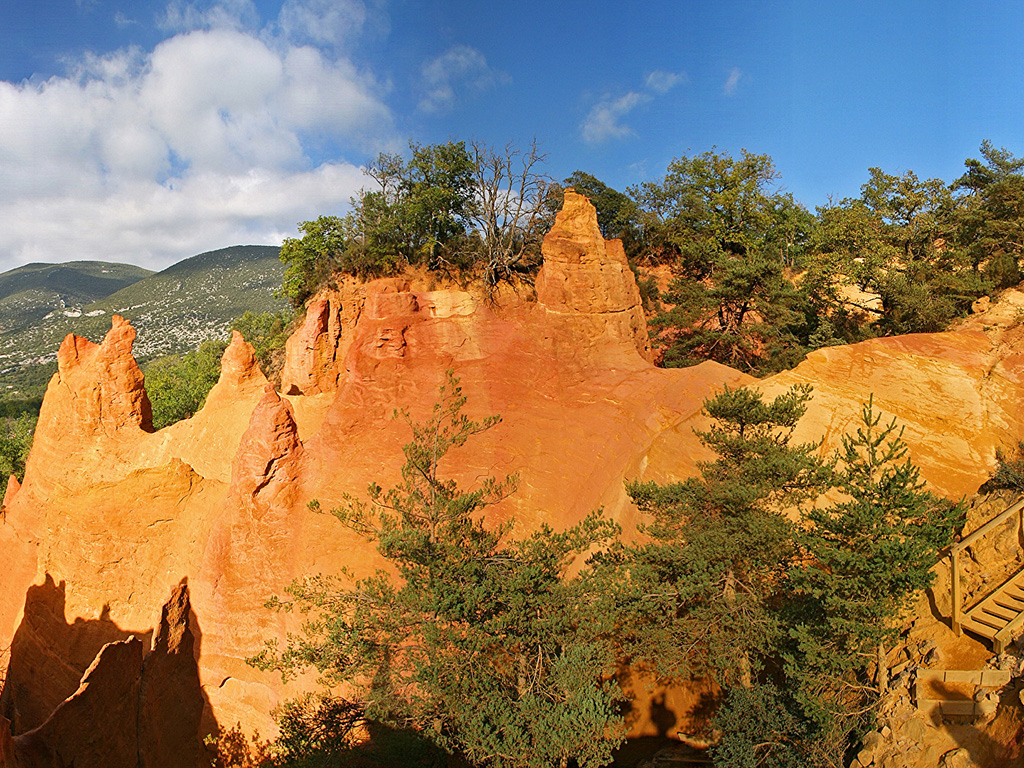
x: 728, y: 241
x: 865, y: 559
x: 177, y: 385
x: 440, y: 198
x: 418, y: 216
x: 450, y: 208
x: 761, y: 730
x: 721, y: 543
x: 902, y: 240
x: 875, y: 550
x: 15, y: 442
x: 16, y: 406
x: 1009, y: 474
x: 311, y: 258
x: 329, y: 732
x: 758, y: 280
x: 267, y: 332
x: 483, y: 644
x: 787, y: 618
x: 991, y: 214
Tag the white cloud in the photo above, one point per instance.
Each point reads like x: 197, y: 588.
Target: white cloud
x: 156, y: 224
x: 152, y: 156
x: 732, y: 82
x: 460, y: 68
x: 604, y: 121
x: 660, y: 81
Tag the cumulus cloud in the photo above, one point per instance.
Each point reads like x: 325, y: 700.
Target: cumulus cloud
x: 460, y: 68
x: 204, y: 141
x: 605, y: 120
x: 732, y: 82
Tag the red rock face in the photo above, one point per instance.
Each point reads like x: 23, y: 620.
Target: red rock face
x: 238, y: 366
x: 310, y: 354
x: 121, y: 514
x: 952, y: 393
x: 13, y: 486
x: 96, y: 402
x: 6, y: 743
x: 106, y: 381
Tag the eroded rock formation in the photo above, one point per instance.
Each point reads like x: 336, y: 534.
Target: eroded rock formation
x: 119, y: 514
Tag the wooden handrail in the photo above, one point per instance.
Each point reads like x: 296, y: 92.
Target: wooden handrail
x: 960, y: 546
x: 970, y: 539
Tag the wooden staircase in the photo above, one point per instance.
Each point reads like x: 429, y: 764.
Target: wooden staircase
x: 999, y: 616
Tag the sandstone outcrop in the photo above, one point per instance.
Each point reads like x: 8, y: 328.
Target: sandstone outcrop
x: 131, y: 708
x: 96, y: 402
x: 311, y: 352
x: 13, y: 486
x: 958, y: 395
x: 119, y: 513
x: 588, y: 279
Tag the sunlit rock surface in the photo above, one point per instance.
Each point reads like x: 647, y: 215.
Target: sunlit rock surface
x: 119, y: 515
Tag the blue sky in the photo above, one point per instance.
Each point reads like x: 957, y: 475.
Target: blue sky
x: 150, y: 131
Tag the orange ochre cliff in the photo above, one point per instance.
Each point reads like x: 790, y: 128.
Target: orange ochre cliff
x: 113, y: 517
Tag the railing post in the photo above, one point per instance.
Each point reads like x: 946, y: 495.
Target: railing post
x: 954, y: 557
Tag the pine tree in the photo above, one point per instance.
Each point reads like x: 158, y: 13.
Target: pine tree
x: 703, y: 589
x: 482, y: 644
x: 865, y: 559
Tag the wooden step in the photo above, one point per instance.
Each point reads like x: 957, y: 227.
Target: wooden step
x: 1000, y: 613
x: 979, y: 629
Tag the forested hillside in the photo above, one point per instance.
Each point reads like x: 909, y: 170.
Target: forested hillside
x: 174, y: 310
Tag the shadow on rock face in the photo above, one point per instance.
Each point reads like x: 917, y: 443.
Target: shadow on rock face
x: 49, y: 656
x: 136, y: 703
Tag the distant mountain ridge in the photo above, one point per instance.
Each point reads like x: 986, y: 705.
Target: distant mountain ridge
x: 30, y: 292
x: 174, y: 310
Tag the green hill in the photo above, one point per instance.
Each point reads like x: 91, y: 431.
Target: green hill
x: 29, y: 293
x: 173, y: 310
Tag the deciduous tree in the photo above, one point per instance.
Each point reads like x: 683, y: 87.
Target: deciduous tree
x: 177, y: 385
x: 728, y: 238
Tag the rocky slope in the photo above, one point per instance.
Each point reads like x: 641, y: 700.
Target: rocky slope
x: 132, y: 707
x: 173, y: 310
x: 119, y: 514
